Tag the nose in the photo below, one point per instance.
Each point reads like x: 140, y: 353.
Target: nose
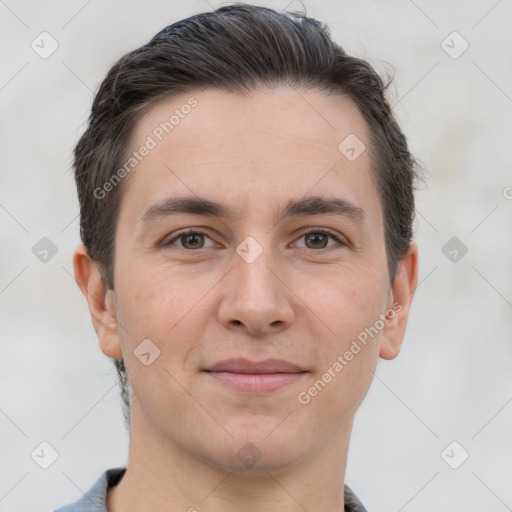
x: 256, y: 297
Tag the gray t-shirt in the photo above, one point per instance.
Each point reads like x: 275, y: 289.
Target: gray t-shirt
x: 94, y: 500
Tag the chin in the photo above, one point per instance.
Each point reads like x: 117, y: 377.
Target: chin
x: 255, y: 459
x: 259, y: 444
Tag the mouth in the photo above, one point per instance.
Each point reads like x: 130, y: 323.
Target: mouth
x: 255, y: 377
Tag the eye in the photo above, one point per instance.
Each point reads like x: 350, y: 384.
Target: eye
x: 318, y: 239
x: 193, y: 240
x: 190, y: 240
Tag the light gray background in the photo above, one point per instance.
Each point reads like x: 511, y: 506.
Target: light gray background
x: 453, y: 378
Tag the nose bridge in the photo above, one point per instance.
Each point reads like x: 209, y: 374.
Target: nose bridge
x: 256, y: 281
x: 256, y: 298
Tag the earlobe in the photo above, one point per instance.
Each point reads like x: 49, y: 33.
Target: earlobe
x: 402, y: 293
x: 100, y: 301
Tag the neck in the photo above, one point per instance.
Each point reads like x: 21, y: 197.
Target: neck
x: 163, y: 477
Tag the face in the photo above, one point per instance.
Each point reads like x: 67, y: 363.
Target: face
x: 250, y: 257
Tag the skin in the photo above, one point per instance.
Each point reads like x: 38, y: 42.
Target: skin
x: 302, y: 300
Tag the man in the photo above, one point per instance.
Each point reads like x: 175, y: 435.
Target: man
x: 246, y: 209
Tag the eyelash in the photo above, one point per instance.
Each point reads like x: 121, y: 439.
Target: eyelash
x: 313, y: 231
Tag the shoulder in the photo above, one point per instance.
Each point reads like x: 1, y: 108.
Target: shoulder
x: 94, y: 500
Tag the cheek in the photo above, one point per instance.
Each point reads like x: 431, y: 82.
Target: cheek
x: 348, y: 303
x: 350, y: 310
x: 162, y: 306
x: 155, y: 299
x: 170, y: 307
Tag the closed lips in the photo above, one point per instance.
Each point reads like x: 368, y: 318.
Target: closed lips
x: 262, y: 367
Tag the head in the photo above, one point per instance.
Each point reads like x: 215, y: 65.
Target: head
x: 258, y: 118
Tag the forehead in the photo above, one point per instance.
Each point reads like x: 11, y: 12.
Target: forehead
x: 251, y: 149
x: 282, y: 115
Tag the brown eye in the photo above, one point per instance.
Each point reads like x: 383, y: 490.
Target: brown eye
x: 319, y: 239
x: 192, y: 241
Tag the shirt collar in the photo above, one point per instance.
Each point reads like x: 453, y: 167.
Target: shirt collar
x: 95, y: 500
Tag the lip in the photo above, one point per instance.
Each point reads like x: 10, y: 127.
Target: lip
x: 255, y: 376
x: 245, y: 366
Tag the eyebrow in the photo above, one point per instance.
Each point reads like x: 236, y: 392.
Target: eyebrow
x: 311, y: 205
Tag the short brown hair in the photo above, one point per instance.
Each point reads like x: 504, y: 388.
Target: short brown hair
x: 238, y: 48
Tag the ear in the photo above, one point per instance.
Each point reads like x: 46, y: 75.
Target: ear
x: 402, y: 293
x: 100, y: 300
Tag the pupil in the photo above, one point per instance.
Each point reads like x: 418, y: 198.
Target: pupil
x: 193, y: 238
x: 316, y: 236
